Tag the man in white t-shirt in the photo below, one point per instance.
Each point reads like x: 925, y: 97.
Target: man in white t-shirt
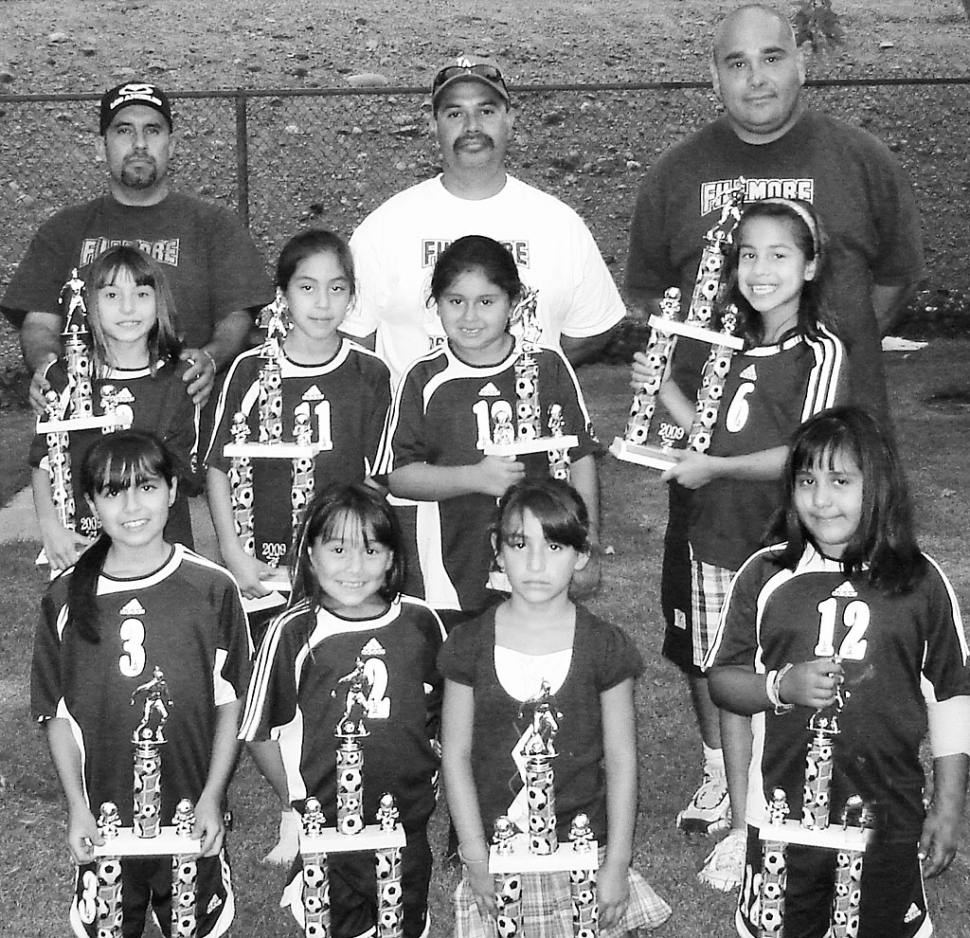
x: 396, y: 246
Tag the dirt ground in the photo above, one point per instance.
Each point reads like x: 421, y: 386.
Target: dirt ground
x: 88, y: 44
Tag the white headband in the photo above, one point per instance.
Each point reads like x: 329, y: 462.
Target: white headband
x: 802, y: 212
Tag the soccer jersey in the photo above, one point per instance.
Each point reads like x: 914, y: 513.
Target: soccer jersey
x: 185, y: 619
x: 346, y: 400
x: 443, y: 413
x: 603, y: 656
x: 898, y: 652
x: 314, y: 667
x: 768, y: 392
x: 157, y: 403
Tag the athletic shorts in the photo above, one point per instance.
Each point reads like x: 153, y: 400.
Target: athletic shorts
x: 893, y: 903
x: 675, y: 581
x: 353, y: 889
x: 146, y: 883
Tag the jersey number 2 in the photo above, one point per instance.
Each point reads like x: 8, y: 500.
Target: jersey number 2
x: 855, y: 617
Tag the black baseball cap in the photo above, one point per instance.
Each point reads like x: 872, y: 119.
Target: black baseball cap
x: 133, y: 92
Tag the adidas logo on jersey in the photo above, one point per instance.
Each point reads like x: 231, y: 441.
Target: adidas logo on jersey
x: 214, y: 904
x: 132, y: 608
x: 749, y: 373
x: 372, y: 648
x: 313, y: 394
x: 845, y: 591
x: 124, y: 396
x: 912, y: 913
x: 489, y: 391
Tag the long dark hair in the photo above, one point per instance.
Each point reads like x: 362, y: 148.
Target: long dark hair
x: 883, y: 549
x: 328, y: 515
x: 164, y: 343
x: 811, y: 240
x: 116, y: 461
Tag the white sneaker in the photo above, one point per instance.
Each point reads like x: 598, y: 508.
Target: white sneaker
x: 709, y: 810
x: 724, y: 867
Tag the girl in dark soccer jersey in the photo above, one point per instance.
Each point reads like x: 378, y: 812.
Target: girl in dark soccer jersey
x: 344, y: 388
x: 847, y: 616
x: 444, y: 411
x: 133, y: 606
x: 351, y: 639
x: 792, y: 366
x: 134, y: 350
x: 539, y: 650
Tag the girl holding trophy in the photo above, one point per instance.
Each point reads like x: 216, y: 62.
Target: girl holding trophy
x: 126, y: 365
x: 539, y: 672
x: 141, y: 635
x: 455, y: 402
x: 326, y: 392
x: 791, y: 367
x: 845, y: 616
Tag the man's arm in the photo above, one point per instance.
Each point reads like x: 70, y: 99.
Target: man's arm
x: 229, y: 338
x: 580, y: 349
x: 889, y: 301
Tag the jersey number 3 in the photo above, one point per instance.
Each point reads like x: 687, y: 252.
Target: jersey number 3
x: 855, y: 618
x: 132, y: 662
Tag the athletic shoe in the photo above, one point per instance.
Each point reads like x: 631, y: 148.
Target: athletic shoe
x: 724, y: 867
x: 709, y: 810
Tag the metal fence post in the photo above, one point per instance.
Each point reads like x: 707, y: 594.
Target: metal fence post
x: 242, y: 157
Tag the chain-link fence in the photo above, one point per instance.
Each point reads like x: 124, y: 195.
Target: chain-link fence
x: 284, y: 158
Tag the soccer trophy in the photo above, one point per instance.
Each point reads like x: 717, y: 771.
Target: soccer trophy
x: 385, y: 837
x: 269, y: 444
x: 849, y: 840
x: 636, y: 443
x: 538, y: 851
x: 147, y: 837
x: 72, y: 408
x: 503, y: 434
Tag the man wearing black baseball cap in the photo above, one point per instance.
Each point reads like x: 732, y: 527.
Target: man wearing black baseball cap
x: 396, y: 246
x: 215, y: 272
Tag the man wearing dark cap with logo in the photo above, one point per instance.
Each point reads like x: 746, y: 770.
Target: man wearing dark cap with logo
x: 215, y: 272
x: 396, y: 246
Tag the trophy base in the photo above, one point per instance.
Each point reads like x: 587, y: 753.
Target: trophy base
x: 166, y: 844
x: 521, y: 860
x: 274, y: 450
x: 372, y: 837
x: 829, y: 838
x: 104, y: 422
x: 710, y: 336
x: 540, y: 444
x: 656, y: 457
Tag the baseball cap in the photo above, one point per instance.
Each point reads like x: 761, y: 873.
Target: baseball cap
x: 465, y: 70
x: 133, y: 92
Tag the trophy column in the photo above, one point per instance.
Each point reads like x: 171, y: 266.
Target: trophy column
x: 513, y: 854
x: 147, y: 837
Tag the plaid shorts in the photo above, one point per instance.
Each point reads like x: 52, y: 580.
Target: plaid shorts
x: 547, y: 910
x: 708, y: 590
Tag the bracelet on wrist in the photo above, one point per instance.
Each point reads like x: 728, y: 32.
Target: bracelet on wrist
x: 208, y: 354
x: 468, y: 861
x: 773, y: 689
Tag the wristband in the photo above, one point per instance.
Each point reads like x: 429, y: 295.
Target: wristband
x: 773, y: 688
x: 470, y: 862
x: 208, y: 354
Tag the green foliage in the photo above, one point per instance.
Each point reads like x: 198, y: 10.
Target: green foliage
x: 817, y: 23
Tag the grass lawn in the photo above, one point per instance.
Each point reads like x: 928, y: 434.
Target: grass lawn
x: 930, y: 397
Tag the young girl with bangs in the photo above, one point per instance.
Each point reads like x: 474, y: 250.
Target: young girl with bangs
x: 133, y: 610
x: 350, y: 642
x: 847, y: 617
x: 538, y: 645
x: 134, y: 350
